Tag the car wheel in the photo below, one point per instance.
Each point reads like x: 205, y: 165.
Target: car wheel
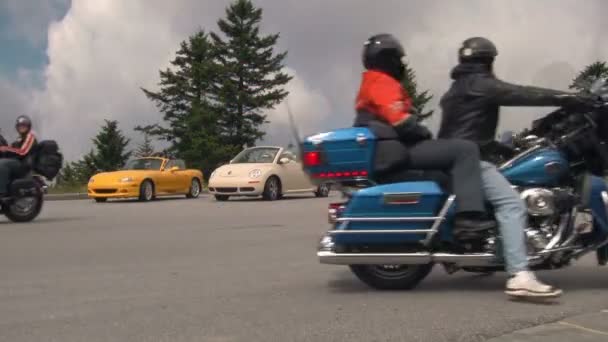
x: 222, y: 198
x: 195, y: 189
x: 272, y: 189
x: 323, y: 190
x: 146, y: 191
x: 101, y: 200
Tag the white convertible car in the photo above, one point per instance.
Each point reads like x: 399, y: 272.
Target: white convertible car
x: 268, y: 171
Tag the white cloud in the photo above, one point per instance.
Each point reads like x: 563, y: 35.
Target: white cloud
x: 102, y: 51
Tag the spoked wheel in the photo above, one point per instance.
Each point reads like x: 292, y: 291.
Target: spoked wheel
x: 323, y: 190
x: 391, y: 277
x: 272, y: 189
x: 146, y: 191
x: 24, y: 209
x: 195, y: 189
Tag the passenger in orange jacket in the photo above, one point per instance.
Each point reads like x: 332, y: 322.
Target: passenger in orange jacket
x: 384, y: 106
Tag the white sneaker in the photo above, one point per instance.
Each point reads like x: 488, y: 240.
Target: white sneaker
x: 525, y: 284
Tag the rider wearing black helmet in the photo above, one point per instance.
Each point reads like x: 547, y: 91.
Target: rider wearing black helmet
x: 385, y: 107
x: 471, y: 111
x: 13, y: 157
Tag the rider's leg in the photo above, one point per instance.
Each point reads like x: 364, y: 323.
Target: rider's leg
x: 8, y: 167
x: 460, y: 158
x: 511, y: 214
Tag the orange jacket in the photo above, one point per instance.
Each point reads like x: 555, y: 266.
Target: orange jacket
x: 384, y: 97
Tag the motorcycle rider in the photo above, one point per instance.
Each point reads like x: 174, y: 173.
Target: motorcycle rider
x: 385, y: 107
x: 15, y: 155
x: 471, y: 111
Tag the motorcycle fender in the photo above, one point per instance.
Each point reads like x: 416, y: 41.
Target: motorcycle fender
x: 24, y: 187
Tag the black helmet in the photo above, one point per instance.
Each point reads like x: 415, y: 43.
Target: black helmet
x: 23, y: 120
x: 477, y: 49
x: 384, y: 52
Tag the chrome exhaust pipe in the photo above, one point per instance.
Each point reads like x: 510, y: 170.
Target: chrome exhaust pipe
x: 421, y: 258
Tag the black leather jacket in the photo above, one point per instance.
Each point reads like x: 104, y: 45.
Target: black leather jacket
x: 471, y: 105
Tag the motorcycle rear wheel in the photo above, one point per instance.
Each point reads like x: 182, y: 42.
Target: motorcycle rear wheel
x: 24, y: 209
x: 391, y: 277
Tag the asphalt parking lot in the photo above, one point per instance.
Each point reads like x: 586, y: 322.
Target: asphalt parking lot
x: 246, y: 270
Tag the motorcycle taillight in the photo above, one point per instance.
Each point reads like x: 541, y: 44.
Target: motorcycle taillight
x: 335, y: 211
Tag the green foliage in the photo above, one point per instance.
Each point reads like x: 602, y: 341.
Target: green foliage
x: 589, y: 74
x: 111, y: 148
x: 187, y: 102
x: 145, y: 149
x: 419, y: 99
x: 215, y: 93
x: 109, y: 155
x: 252, y: 79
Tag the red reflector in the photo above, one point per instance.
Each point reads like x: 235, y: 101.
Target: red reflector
x: 346, y: 174
x: 312, y: 158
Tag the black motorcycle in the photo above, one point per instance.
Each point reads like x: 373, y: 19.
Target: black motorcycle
x: 26, y: 193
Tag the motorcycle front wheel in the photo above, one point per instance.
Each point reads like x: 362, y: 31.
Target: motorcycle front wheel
x: 391, y: 277
x: 24, y: 209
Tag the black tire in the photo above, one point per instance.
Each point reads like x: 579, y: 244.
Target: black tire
x: 222, y: 198
x: 272, y: 189
x: 391, y: 277
x: 146, y: 191
x: 323, y: 190
x: 195, y: 189
x: 101, y: 200
x: 20, y: 215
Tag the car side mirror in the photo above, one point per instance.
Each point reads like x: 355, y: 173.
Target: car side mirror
x: 284, y: 160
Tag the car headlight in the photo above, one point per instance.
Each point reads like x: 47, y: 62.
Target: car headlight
x: 91, y: 181
x: 126, y: 179
x: 255, y: 173
x: 212, y: 174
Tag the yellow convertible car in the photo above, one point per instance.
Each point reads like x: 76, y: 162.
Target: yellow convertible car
x: 270, y: 172
x: 146, y: 178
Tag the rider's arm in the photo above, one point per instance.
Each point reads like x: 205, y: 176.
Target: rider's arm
x: 25, y: 147
x: 394, y: 106
x: 508, y: 94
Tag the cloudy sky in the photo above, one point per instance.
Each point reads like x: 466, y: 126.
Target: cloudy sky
x: 71, y: 64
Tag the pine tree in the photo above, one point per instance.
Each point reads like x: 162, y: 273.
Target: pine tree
x: 67, y: 175
x: 85, y: 168
x: 589, y: 74
x: 111, y: 148
x: 190, y: 113
x: 145, y: 149
x: 252, y: 79
x: 419, y: 99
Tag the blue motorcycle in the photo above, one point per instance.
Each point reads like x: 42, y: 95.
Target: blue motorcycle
x: 391, y: 235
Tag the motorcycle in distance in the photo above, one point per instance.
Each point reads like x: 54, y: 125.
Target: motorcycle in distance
x: 26, y: 194
x: 391, y: 235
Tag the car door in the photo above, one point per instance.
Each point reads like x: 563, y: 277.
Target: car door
x: 302, y: 178
x: 182, y: 176
x: 169, y: 178
x: 290, y: 177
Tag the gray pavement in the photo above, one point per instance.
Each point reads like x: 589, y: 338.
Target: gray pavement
x: 198, y: 270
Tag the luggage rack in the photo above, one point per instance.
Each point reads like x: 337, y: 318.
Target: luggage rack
x: 343, y: 223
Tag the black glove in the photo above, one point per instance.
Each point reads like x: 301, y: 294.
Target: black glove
x: 411, y: 132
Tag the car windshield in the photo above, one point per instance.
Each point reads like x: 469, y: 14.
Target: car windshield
x: 256, y: 155
x: 144, y: 164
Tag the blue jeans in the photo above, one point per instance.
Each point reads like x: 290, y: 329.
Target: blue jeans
x: 511, y: 214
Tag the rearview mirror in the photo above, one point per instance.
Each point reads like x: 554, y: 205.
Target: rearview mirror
x: 284, y: 160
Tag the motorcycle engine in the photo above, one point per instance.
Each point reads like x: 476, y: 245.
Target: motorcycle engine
x: 540, y: 201
x: 545, y: 207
